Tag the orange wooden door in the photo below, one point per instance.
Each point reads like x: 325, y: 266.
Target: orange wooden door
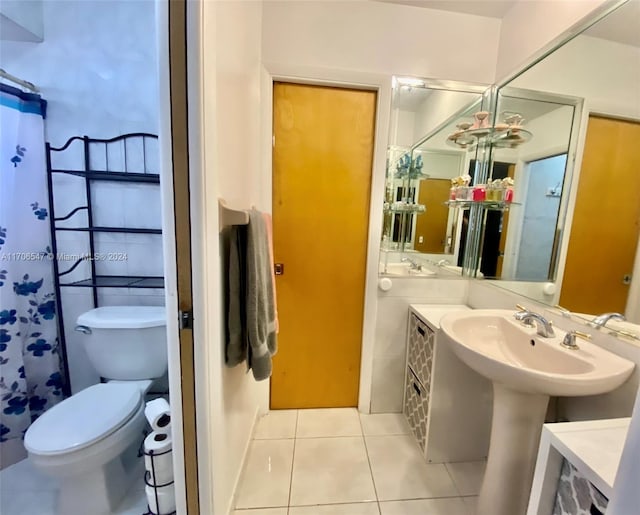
x: 322, y: 161
x: 606, y: 220
x: 431, y: 227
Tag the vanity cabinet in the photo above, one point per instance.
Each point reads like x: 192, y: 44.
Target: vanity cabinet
x: 447, y: 405
x: 418, y: 377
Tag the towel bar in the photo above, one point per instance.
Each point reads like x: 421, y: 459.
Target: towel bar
x: 228, y: 216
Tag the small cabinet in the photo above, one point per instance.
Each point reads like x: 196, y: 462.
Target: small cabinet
x: 418, y: 377
x: 446, y: 404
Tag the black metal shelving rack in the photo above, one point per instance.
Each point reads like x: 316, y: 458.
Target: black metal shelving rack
x: 124, y: 175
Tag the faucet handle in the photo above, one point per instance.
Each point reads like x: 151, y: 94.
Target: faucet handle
x: 521, y: 316
x: 563, y: 311
x: 569, y: 340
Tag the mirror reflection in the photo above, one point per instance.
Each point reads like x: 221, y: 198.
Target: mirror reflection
x: 418, y: 227
x: 598, y: 268
x: 522, y: 243
x: 569, y: 235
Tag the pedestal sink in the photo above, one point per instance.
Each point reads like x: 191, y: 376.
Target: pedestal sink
x: 525, y: 370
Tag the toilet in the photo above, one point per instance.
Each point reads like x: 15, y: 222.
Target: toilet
x: 90, y: 441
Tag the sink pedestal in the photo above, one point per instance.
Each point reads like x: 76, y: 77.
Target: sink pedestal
x: 515, y: 435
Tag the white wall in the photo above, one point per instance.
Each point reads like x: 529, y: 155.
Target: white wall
x: 531, y: 26
x: 438, y: 107
x: 230, y: 48
x: 390, y: 347
x: 380, y: 38
x: 97, y: 69
x: 401, y: 132
x: 21, y: 21
x: 603, y: 72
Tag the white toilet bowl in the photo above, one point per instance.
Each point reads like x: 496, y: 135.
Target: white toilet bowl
x: 90, y: 443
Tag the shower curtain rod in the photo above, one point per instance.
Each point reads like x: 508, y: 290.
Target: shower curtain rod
x: 16, y: 80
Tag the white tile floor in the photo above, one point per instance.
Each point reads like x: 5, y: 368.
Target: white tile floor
x: 307, y: 462
x: 340, y: 462
x: 24, y: 491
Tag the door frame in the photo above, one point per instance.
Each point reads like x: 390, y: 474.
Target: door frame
x: 382, y: 85
x: 174, y: 25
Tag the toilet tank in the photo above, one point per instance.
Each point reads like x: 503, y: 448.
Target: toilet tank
x: 126, y: 342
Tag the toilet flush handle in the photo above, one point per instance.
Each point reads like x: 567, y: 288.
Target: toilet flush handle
x: 83, y: 329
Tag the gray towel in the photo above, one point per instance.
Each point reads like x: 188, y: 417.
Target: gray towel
x: 236, y: 337
x: 260, y: 306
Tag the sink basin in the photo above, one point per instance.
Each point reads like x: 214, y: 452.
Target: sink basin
x: 405, y: 270
x: 525, y: 370
x: 498, y: 347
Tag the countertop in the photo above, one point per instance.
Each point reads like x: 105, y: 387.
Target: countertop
x: 431, y: 314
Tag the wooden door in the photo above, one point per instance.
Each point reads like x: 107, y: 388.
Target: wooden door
x: 431, y: 227
x: 606, y: 219
x: 322, y: 159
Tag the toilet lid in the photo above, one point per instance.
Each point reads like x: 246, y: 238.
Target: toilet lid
x: 83, y: 418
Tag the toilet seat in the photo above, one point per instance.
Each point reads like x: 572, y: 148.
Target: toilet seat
x: 83, y: 418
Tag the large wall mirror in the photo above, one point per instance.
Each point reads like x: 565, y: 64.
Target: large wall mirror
x: 597, y: 262
x: 563, y: 137
x: 418, y: 227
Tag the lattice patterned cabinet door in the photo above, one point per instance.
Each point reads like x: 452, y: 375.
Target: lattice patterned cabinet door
x: 416, y: 407
x: 576, y: 495
x: 421, y: 345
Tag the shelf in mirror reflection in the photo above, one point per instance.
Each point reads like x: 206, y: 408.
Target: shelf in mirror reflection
x: 404, y: 207
x: 492, y: 205
x: 498, y: 137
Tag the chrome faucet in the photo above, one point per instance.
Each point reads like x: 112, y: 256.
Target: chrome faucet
x: 569, y: 340
x: 544, y: 326
x: 601, y: 320
x: 413, y: 265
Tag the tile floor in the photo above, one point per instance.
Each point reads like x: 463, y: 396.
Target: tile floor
x: 25, y: 491
x: 340, y: 462
x: 307, y: 462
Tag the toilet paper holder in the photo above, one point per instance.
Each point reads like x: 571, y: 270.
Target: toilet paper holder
x: 150, y: 479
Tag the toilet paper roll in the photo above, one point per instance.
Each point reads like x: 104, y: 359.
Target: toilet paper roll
x: 161, y: 500
x: 158, y: 459
x: 158, y: 413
